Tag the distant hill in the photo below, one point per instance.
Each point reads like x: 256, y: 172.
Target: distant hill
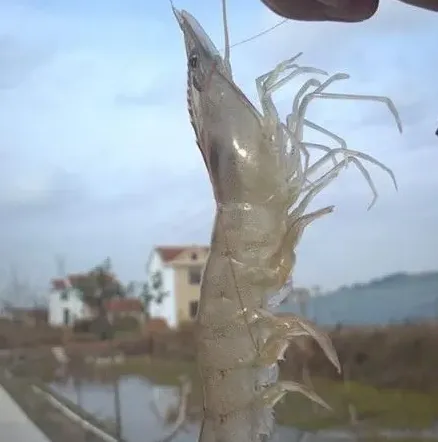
x: 394, y: 298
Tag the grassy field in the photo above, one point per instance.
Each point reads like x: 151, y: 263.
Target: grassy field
x: 377, y: 408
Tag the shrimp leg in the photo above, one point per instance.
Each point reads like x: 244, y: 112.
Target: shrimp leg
x: 268, y: 83
x: 324, y: 95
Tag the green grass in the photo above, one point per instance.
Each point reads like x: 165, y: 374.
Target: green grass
x: 376, y: 408
x: 402, y: 439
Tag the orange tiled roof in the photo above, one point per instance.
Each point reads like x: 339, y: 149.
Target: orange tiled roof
x: 169, y: 253
x: 73, y: 279
x: 59, y: 284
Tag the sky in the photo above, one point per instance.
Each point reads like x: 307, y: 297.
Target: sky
x: 97, y: 156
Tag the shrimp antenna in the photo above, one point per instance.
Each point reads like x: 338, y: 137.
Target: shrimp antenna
x: 226, y: 37
x: 260, y: 34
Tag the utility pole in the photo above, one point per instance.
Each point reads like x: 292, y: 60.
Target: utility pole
x: 16, y: 287
x: 60, y: 265
x: 117, y: 404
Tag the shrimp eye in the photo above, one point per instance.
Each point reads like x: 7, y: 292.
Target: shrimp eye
x: 193, y: 61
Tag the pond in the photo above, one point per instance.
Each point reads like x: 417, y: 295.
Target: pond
x: 139, y: 423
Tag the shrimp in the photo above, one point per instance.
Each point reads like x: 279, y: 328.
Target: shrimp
x: 260, y: 171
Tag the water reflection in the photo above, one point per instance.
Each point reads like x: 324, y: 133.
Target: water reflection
x: 139, y: 423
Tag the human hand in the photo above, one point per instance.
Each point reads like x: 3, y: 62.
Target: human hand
x: 335, y: 10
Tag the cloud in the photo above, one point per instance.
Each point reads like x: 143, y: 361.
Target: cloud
x: 19, y: 60
x: 33, y: 193
x: 98, y: 158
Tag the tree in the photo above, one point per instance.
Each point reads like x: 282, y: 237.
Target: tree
x: 97, y: 287
x: 158, y: 289
x: 147, y: 297
x: 150, y: 292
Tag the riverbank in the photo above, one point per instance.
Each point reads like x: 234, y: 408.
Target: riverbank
x: 15, y: 424
x: 138, y: 415
x: 393, y: 389
x: 48, y: 416
x: 382, y: 415
x: 373, y: 408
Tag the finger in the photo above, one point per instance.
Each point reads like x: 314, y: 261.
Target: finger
x: 426, y: 4
x: 324, y: 10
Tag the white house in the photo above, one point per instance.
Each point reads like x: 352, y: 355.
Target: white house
x: 65, y: 304
x: 177, y: 270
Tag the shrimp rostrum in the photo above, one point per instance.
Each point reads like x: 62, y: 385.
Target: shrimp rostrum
x: 263, y: 182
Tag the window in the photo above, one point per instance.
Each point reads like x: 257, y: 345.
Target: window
x: 64, y: 295
x: 193, y: 309
x: 195, y: 275
x: 66, y: 316
x: 194, y: 256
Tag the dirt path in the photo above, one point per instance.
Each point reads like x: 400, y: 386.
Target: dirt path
x: 14, y: 423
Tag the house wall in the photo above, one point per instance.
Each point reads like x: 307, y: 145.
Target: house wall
x: 167, y: 309
x: 73, y: 304
x: 185, y: 291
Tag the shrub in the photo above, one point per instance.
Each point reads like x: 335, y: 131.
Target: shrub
x: 126, y: 323
x: 82, y: 326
